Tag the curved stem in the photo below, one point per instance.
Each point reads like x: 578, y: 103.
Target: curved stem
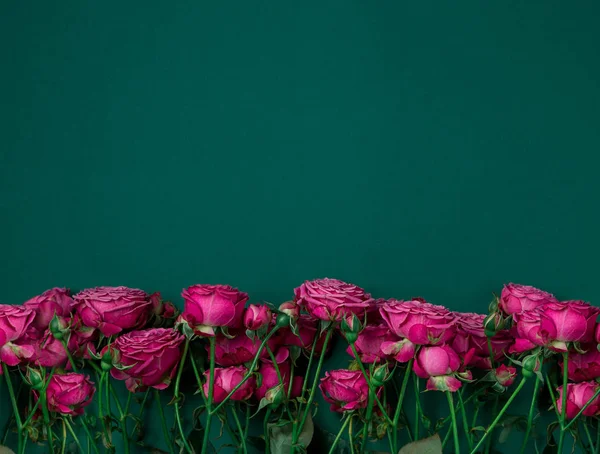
x: 13, y: 400
x: 418, y: 409
x: 454, y: 425
x: 587, y: 404
x: 64, y: 440
x: 71, y: 360
x: 488, y: 445
x: 209, y: 400
x: 186, y: 445
x: 561, y: 437
x: 368, y: 414
x: 464, y: 420
x: 339, y: 435
x: 266, y: 431
x: 490, y: 429
x: 531, y: 412
x: 91, y: 440
x: 46, y: 415
x: 589, y: 437
x: 350, y: 436
x: 198, y: 379
x: 399, y: 404
x: 72, y: 432
x: 240, y: 430
x: 163, y: 421
x: 122, y: 418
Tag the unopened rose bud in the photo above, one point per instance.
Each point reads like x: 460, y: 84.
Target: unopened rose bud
x: 34, y: 378
x: 107, y: 360
x: 275, y: 396
x: 257, y: 317
x: 283, y: 320
x: 351, y: 327
x: 290, y: 309
x: 58, y: 327
x: 531, y: 365
x: 380, y: 375
x: 492, y: 323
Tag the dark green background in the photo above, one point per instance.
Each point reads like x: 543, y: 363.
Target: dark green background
x: 438, y: 148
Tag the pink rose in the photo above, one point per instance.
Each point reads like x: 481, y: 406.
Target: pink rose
x: 516, y: 298
x: 113, y: 309
x: 257, y: 316
x: 160, y: 308
x: 421, y: 323
x: 345, y: 390
x: 439, y: 365
x: 553, y: 325
x: 211, y: 306
x: 331, y: 299
x: 150, y: 358
x: 69, y: 393
x: 48, y: 351
x: 53, y: 301
x: 308, y: 327
x: 369, y: 341
x: 82, y: 339
x: 291, y: 309
x: 14, y: 322
x: 505, y: 375
x: 270, y: 379
x: 238, y: 350
x: 578, y: 394
x: 470, y: 334
x: 226, y: 379
x: 583, y: 366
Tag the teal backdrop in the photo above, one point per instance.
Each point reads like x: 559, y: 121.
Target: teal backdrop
x: 438, y: 149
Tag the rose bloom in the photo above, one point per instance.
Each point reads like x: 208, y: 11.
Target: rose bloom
x: 308, y: 327
x: 369, y: 341
x: 505, y: 375
x: 331, y: 299
x: 421, y: 323
x: 238, y: 350
x: 113, y: 309
x: 82, y: 339
x: 69, y: 393
x: 583, y: 366
x: 48, y: 351
x: 516, y: 298
x: 270, y: 379
x: 257, y: 316
x: 470, y: 334
x: 345, y: 390
x: 226, y: 379
x: 553, y: 325
x: 578, y: 394
x: 210, y: 306
x: 14, y: 323
x: 53, y: 301
x: 438, y: 364
x: 151, y: 357
x: 160, y: 308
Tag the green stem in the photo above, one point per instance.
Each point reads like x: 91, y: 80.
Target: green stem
x: 464, y: 419
x: 488, y: 445
x: 311, y: 396
x: 531, y: 413
x: 186, y: 445
x: 13, y: 400
x: 91, y: 440
x: 561, y: 436
x: 589, y: 436
x: 209, y: 400
x: 46, y: 415
x: 266, y: 431
x: 250, y: 371
x: 597, y: 437
x: 350, y: 436
x: 64, y: 440
x: 587, y: 404
x: 72, y: 432
x: 418, y: 409
x: 399, y: 404
x: 368, y: 415
x: 339, y: 435
x: 163, y: 421
x: 198, y: 379
x: 71, y: 360
x: 240, y: 431
x: 454, y: 425
x: 122, y: 418
x: 490, y: 429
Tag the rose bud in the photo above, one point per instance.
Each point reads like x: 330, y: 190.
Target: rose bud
x: 381, y: 374
x: 147, y: 358
x: 210, y: 306
x: 59, y: 327
x: 291, y: 309
x: 351, y: 327
x: 439, y: 365
x: 421, y: 323
x: 34, y: 378
x: 505, y: 375
x: 516, y: 298
x: 331, y: 299
x: 369, y: 343
x: 55, y: 301
x: 270, y: 380
x: 531, y: 365
x: 257, y: 316
x: 583, y: 366
x: 578, y: 395
x: 14, y: 322
x: 113, y: 309
x: 345, y: 390
x: 226, y: 379
x: 69, y: 393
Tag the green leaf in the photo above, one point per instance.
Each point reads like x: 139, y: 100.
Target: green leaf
x: 431, y: 445
x: 280, y: 437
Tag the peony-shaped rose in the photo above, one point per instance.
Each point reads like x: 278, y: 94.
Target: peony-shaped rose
x: 270, y: 379
x: 113, y: 309
x: 470, y: 334
x: 257, y: 316
x: 369, y: 341
x: 345, y: 390
x: 583, y: 366
x: 69, y: 393
x: 331, y: 299
x: 146, y: 358
x: 421, y: 323
x: 439, y: 365
x: 554, y: 325
x: 210, y: 306
x: 48, y: 351
x: 516, y: 298
x: 53, y: 301
x: 14, y: 323
x: 238, y: 350
x: 226, y: 379
x: 578, y: 394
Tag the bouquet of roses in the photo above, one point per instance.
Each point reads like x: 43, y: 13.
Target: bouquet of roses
x: 80, y: 370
